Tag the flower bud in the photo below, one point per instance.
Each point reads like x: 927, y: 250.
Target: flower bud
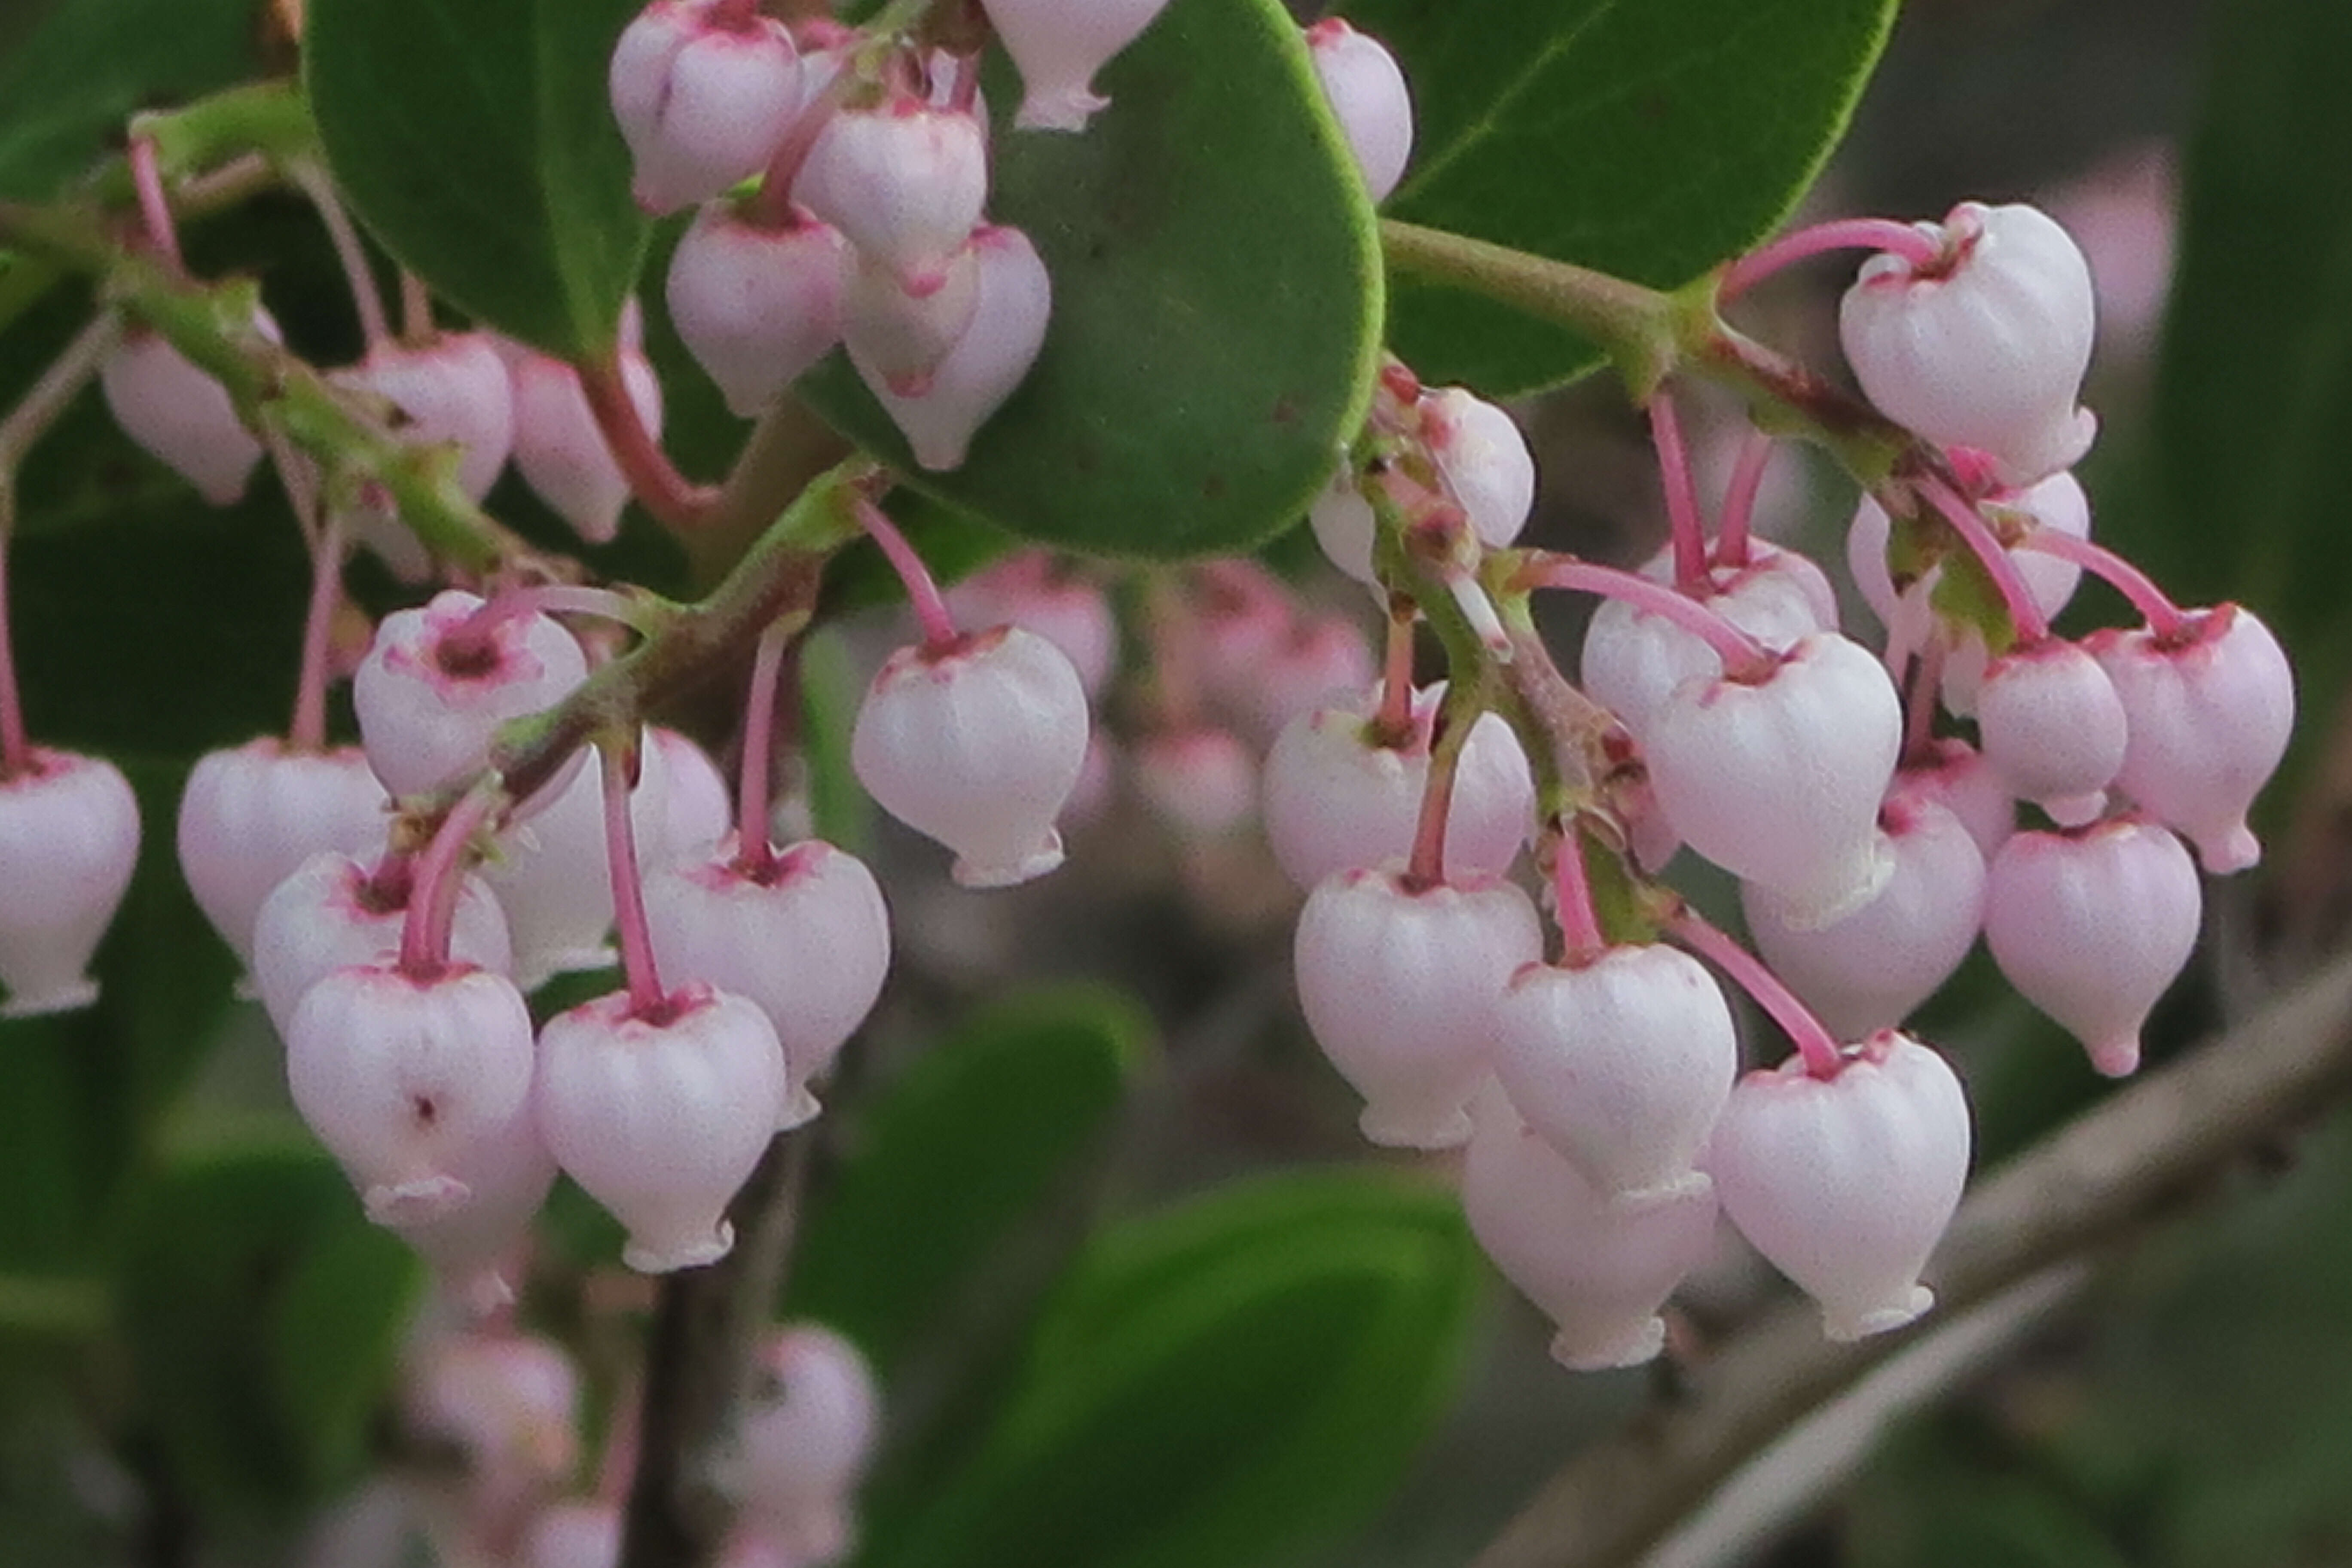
x: 986, y: 365
x: 2210, y: 717
x: 2053, y: 728
x: 807, y: 939
x: 978, y: 747
x: 1400, y: 985
x: 702, y: 105
x: 1199, y: 781
x: 251, y: 815
x: 1986, y: 351
x: 436, y: 686
x: 454, y: 390
x: 1368, y: 94
x: 329, y: 915
x: 1621, y: 1064
x: 396, y: 1075
x: 1485, y: 459
x: 1059, y: 45
x: 180, y: 415
x: 1599, y: 1270
x: 68, y: 842
x: 756, y: 306
x: 904, y: 181
x: 561, y: 450
x: 806, y: 1438
x: 508, y: 1403
x: 2093, y: 929
x: 1846, y: 1185
x: 662, y: 1120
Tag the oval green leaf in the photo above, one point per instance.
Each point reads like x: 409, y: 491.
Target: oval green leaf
x: 1225, y: 1382
x: 1650, y: 138
x: 1216, y: 303
x: 475, y: 140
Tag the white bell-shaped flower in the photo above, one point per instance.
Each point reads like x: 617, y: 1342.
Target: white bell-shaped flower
x: 1955, y: 776
x: 1779, y: 781
x: 2053, y: 728
x: 2093, y: 929
x: 987, y: 364
x: 698, y: 808
x: 808, y: 1432
x: 901, y: 337
x: 978, y: 748
x: 68, y: 842
x: 1345, y: 525
x: 905, y: 181
x: 1400, y: 984
x: 1621, y: 1064
x: 1871, y: 969
x: 251, y: 815
x: 454, y: 390
x: 1485, y: 461
x: 1367, y: 92
x: 180, y: 415
x: 1986, y: 351
x: 702, y: 105
x: 475, y: 1250
x: 2211, y: 718
x: 330, y: 915
x: 661, y: 1120
x: 1632, y: 660
x: 560, y: 449
x: 1059, y: 45
x: 1599, y: 1270
x: 434, y: 687
x: 756, y: 304
x: 398, y: 1073
x: 1846, y: 1185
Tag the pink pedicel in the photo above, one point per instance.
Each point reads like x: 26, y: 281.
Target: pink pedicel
x: 756, y: 304
x: 1621, y: 1063
x: 1067, y: 608
x: 1633, y: 659
x: 2093, y: 927
x: 2211, y: 713
x: 1058, y: 45
x: 251, y: 816
x: 68, y: 842
x: 806, y: 1437
x: 661, y: 1119
x: 1400, y: 985
x: 1986, y: 350
x: 1954, y: 774
x: 436, y: 686
x: 897, y: 336
x: 399, y: 1074
x: 453, y: 391
x: 905, y: 182
x: 977, y: 746
x: 806, y: 936
x: 1601, y: 1270
x: 1845, y: 1184
x: 180, y: 415
x: 330, y: 915
x: 1367, y: 95
x: 1335, y: 800
x: 560, y: 449
x: 2053, y: 728
x: 987, y: 364
x: 2057, y: 503
x: 1872, y: 968
x: 1779, y: 782
x: 702, y: 105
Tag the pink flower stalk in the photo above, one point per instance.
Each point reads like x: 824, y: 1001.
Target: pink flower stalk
x: 335, y: 912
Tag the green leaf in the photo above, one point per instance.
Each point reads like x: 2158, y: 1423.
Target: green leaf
x: 1216, y: 302
x: 1225, y: 1382
x: 2254, y: 395
x: 1650, y: 138
x: 475, y: 139
x: 69, y: 82
x: 337, y: 1332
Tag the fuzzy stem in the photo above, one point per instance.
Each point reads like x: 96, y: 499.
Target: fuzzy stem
x: 1743, y: 656
x: 922, y: 591
x: 1392, y: 725
x: 439, y: 878
x: 154, y: 206
x: 1812, y: 1041
x: 367, y: 300
x: 675, y: 502
x: 1582, y: 940
x: 755, y: 855
x: 1689, y: 534
x: 308, y: 732
x: 1731, y: 539
x: 647, y: 998
x: 2024, y: 615
x: 2165, y: 618
x: 1923, y: 251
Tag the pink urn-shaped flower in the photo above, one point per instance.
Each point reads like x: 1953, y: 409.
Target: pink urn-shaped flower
x: 252, y: 815
x: 1600, y: 1270
x: 903, y: 179
x: 702, y: 103
x: 1059, y: 45
x: 1368, y: 94
x: 1014, y: 302
x: 399, y: 1073
x: 2211, y: 713
x: 560, y: 449
x: 756, y: 305
x: 1621, y: 1064
x: 1986, y: 350
x: 977, y: 746
x: 1633, y: 660
x: 2053, y: 728
x: 661, y: 1118
x: 1845, y: 1184
x: 1030, y: 591
x: 475, y: 1249
x: 2093, y: 929
x: 68, y: 842
x: 438, y: 683
x: 1400, y: 983
x: 1485, y: 459
x: 334, y: 914
x: 181, y: 415
x: 454, y: 390
x: 806, y: 1438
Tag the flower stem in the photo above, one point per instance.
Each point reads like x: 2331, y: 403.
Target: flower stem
x: 2165, y: 618
x: 2024, y: 615
x: 367, y: 300
x: 308, y: 732
x: 1689, y: 534
x: 1811, y: 1039
x: 923, y: 594
x: 439, y: 878
x: 1737, y: 527
x: 1463, y: 702
x: 675, y: 502
x: 154, y: 206
x: 1744, y: 658
x: 647, y: 998
x: 1922, y: 250
x: 755, y: 855
x: 1580, y: 923
x: 1392, y: 725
